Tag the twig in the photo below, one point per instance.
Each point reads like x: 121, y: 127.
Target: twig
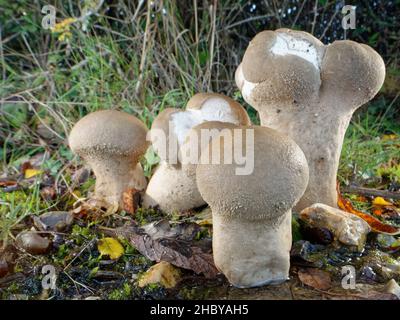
x: 247, y: 20
x: 372, y: 192
x: 315, y: 17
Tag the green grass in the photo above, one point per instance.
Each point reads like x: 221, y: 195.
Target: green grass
x: 371, y: 149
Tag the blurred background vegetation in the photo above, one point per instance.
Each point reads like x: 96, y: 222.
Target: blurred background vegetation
x: 142, y: 56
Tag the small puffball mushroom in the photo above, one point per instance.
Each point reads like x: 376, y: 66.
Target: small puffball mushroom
x: 112, y: 143
x: 252, y: 213
x: 171, y: 188
x: 309, y: 91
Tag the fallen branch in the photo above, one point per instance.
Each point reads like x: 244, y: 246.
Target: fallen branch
x: 372, y: 192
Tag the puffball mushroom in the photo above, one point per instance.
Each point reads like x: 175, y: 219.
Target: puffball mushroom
x: 111, y: 142
x: 309, y: 91
x: 252, y: 213
x: 171, y: 188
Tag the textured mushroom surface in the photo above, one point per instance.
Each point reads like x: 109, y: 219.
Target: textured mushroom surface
x: 252, y: 213
x: 172, y: 187
x: 309, y: 91
x: 111, y: 142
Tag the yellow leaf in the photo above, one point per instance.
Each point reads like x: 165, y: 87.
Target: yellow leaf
x: 386, y: 137
x: 379, y: 201
x: 29, y: 173
x: 162, y: 273
x: 110, y: 247
x: 205, y: 222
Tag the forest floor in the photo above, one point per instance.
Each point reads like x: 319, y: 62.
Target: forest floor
x: 101, y: 253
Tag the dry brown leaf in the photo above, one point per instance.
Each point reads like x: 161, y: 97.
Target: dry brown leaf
x: 315, y: 278
x: 130, y: 200
x: 175, y: 245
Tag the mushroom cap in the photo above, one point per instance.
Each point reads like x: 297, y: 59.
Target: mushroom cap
x: 353, y: 71
x: 202, y: 107
x: 290, y: 67
x: 281, y: 65
x: 279, y: 178
x: 213, y: 101
x: 162, y: 122
x: 108, y: 132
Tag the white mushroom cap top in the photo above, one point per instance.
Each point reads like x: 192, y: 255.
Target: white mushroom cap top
x: 293, y: 66
x: 109, y: 132
x: 278, y: 181
x: 202, y: 107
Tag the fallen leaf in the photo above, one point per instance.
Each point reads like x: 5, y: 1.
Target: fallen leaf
x: 130, y: 200
x: 162, y: 273
x: 375, y: 224
x: 387, y: 137
x: 48, y: 193
x: 7, y: 183
x: 30, y: 173
x: 110, y: 247
x: 379, y: 201
x: 378, y: 211
x: 161, y: 242
x: 315, y: 278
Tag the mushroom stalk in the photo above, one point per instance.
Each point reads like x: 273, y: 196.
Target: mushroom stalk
x: 113, y: 180
x: 320, y: 135
x: 172, y: 190
x: 264, y: 254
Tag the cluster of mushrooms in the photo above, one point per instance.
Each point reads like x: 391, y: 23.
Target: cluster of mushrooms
x: 305, y: 93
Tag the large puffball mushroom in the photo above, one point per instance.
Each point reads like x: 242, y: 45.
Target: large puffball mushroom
x: 171, y: 188
x: 309, y: 91
x: 111, y: 142
x: 252, y: 213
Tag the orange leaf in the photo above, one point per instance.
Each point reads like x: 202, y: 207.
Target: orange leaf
x: 375, y: 224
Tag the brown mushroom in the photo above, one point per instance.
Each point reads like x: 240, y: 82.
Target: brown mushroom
x: 309, y: 91
x: 111, y: 142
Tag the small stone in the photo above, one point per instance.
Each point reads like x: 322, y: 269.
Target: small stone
x: 393, y: 288
x: 346, y: 227
x: 162, y: 273
x: 368, y: 274
x: 33, y: 243
x: 58, y: 221
x: 303, y: 253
